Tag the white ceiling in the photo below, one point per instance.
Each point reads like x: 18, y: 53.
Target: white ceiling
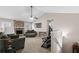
x: 18, y: 12
x: 60, y: 9
x: 23, y: 12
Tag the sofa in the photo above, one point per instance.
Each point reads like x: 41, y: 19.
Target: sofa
x: 31, y: 33
x: 1, y: 34
x: 13, y: 36
x: 3, y: 45
x: 18, y: 43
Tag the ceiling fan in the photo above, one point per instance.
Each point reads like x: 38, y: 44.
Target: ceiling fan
x: 33, y: 18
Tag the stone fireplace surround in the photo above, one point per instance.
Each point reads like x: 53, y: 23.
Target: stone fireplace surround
x: 19, y: 27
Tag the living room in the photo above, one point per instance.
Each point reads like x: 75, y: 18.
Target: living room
x: 43, y: 29
x: 39, y: 29
x: 19, y: 33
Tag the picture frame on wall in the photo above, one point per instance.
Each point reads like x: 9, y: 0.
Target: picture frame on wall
x: 38, y: 25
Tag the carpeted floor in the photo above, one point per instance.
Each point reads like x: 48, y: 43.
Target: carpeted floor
x: 33, y: 45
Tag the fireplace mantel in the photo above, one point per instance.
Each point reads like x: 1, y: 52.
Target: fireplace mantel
x: 19, y: 27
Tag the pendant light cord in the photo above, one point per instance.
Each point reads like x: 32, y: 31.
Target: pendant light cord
x: 31, y: 10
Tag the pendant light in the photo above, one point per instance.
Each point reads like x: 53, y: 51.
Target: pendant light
x: 31, y: 16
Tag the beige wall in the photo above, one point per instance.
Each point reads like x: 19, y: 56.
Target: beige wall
x: 44, y: 27
x: 68, y: 24
x: 27, y: 26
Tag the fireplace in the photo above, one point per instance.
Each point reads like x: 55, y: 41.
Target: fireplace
x: 19, y: 30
